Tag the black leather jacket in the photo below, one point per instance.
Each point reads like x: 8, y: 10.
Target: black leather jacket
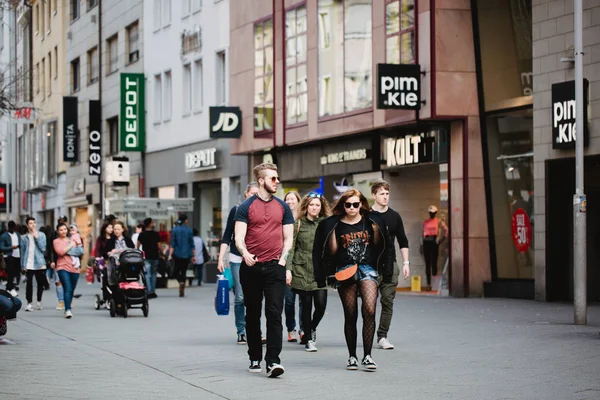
x: 382, y: 258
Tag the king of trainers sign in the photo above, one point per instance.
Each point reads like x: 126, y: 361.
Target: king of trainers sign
x: 564, y: 132
x: 399, y: 86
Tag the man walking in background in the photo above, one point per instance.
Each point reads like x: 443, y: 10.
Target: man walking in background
x: 149, y: 240
x: 182, y: 250
x: 381, y: 194
x: 33, y: 262
x: 264, y: 229
x: 10, y: 247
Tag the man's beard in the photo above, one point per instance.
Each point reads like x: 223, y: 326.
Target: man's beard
x: 270, y: 189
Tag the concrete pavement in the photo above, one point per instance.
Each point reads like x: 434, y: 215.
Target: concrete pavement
x: 445, y: 349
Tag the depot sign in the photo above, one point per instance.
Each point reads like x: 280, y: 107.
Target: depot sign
x: 564, y: 132
x: 133, y: 113
x: 399, y: 86
x: 200, y: 160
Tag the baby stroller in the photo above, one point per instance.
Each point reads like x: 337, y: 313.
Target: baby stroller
x: 127, y: 283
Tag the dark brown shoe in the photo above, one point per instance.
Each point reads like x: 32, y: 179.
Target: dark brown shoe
x: 181, y: 289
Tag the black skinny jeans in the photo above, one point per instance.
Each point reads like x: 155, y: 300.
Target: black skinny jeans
x: 40, y: 277
x: 181, y: 266
x: 310, y: 322
x: 263, y: 280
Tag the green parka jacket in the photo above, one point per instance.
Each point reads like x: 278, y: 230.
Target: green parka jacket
x: 301, y: 264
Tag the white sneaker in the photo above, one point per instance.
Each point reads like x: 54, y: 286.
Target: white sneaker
x: 14, y: 293
x: 29, y: 307
x: 39, y: 306
x: 310, y: 347
x: 384, y: 344
x: 68, y: 314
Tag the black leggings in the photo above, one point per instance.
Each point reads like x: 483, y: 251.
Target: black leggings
x: 430, y: 251
x: 310, y: 322
x: 349, y: 296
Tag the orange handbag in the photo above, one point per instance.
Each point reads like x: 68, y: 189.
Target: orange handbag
x: 347, y: 273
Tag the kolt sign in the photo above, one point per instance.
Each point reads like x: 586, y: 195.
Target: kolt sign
x: 399, y: 86
x: 564, y: 131
x: 133, y: 113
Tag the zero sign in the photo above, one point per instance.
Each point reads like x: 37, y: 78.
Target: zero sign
x: 521, y: 230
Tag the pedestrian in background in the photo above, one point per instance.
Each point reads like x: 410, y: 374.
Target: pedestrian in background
x: 264, y: 243
x: 182, y: 250
x: 138, y: 230
x: 202, y: 255
x: 352, y: 249
x: 235, y: 260
x: 67, y: 272
x: 33, y: 262
x: 10, y: 243
x: 149, y: 240
x: 311, y: 211
x: 292, y: 199
x: 380, y: 190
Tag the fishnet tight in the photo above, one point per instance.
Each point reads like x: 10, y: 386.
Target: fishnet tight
x: 349, y: 296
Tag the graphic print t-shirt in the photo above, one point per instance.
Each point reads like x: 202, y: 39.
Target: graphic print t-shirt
x: 265, y: 220
x: 354, y: 243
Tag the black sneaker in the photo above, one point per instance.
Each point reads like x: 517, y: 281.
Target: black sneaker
x: 368, y: 363
x: 352, y: 364
x: 274, y: 370
x: 255, y: 367
x: 242, y: 339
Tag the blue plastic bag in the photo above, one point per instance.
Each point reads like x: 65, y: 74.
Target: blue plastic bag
x: 229, y: 276
x: 222, y: 296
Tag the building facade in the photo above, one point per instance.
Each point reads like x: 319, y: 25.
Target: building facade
x: 187, y: 68
x: 44, y: 170
x: 305, y: 75
x: 553, y: 146
x: 104, y: 39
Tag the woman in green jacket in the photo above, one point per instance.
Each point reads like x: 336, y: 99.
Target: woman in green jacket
x: 312, y: 209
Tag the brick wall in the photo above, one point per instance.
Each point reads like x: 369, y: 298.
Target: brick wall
x: 553, y: 39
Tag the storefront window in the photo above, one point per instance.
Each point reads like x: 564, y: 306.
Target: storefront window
x: 296, y: 77
x: 510, y: 150
x: 345, y: 54
x: 505, y: 42
x: 400, y: 31
x: 263, y: 76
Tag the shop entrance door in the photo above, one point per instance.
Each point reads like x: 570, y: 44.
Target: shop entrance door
x: 560, y: 187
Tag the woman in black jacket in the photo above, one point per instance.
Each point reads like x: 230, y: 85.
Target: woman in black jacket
x: 114, y: 247
x: 352, y: 250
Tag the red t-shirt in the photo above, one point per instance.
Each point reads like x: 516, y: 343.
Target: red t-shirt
x: 265, y: 220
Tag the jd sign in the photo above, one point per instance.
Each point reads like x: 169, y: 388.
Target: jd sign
x: 133, y: 127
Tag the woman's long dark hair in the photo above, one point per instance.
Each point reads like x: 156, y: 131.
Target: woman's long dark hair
x: 339, y: 209
x: 103, y: 230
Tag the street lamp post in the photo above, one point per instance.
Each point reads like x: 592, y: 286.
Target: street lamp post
x: 579, y: 200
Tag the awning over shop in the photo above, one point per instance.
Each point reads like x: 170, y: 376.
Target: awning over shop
x: 151, y: 207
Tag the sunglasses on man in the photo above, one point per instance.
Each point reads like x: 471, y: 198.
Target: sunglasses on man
x: 273, y: 179
x: 352, y: 205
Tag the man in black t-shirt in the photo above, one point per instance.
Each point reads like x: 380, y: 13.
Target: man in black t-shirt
x: 381, y: 194
x: 149, y: 240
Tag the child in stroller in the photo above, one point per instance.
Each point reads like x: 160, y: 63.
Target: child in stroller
x: 126, y: 283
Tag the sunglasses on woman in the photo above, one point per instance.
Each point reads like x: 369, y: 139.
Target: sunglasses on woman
x: 314, y: 195
x: 352, y: 205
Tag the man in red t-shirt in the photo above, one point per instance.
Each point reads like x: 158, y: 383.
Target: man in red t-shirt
x: 264, y: 229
